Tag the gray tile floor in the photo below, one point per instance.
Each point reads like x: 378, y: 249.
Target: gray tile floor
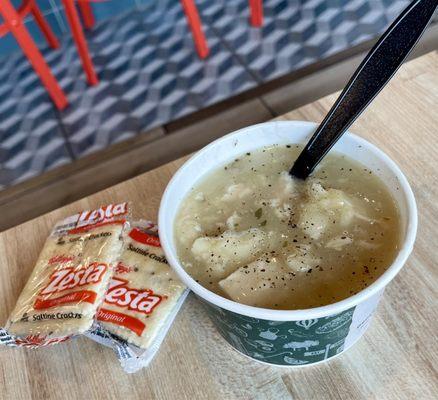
x: 150, y: 74
x: 31, y: 136
x: 297, y: 33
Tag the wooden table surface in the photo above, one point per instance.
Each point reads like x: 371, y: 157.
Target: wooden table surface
x: 396, y: 359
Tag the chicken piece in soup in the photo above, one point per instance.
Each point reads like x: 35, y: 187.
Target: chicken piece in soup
x: 253, y: 234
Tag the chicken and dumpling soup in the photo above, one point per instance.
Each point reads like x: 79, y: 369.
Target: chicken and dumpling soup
x: 252, y: 233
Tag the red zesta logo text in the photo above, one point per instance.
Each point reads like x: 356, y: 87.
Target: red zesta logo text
x: 105, y: 213
x: 67, y: 279
x: 121, y: 295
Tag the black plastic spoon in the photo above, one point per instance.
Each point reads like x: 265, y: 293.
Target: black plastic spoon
x: 373, y: 74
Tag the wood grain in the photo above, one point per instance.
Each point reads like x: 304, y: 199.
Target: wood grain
x: 396, y: 359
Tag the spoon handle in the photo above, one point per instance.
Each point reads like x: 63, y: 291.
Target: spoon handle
x: 372, y: 75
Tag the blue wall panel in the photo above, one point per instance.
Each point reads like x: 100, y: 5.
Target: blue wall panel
x: 54, y: 13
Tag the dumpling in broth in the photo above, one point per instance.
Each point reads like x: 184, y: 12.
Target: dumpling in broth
x: 223, y: 254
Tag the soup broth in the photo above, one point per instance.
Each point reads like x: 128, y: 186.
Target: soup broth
x: 252, y: 233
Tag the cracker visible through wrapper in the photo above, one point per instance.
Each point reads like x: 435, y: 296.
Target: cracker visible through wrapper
x: 71, y: 276
x: 143, y: 291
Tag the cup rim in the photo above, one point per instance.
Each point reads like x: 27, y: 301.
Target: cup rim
x: 300, y: 314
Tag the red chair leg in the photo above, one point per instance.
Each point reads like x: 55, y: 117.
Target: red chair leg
x: 256, y: 8
x: 25, y: 41
x: 192, y: 16
x: 86, y: 13
x: 44, y: 26
x: 79, y: 38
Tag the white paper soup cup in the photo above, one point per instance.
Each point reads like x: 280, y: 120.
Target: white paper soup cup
x: 281, y: 337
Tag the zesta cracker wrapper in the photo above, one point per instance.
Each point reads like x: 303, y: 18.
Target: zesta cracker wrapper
x: 143, y: 290
x: 70, y: 278
x: 142, y: 301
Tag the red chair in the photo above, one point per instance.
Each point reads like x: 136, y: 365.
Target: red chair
x: 192, y: 15
x: 256, y: 9
x: 79, y: 38
x: 13, y: 23
x: 195, y: 25
x: 86, y: 13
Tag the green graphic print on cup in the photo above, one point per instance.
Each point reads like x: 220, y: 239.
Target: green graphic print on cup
x: 283, y: 342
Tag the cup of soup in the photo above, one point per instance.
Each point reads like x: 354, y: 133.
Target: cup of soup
x: 289, y: 271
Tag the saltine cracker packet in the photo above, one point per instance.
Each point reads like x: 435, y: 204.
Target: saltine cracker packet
x: 142, y: 300
x: 70, y: 278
